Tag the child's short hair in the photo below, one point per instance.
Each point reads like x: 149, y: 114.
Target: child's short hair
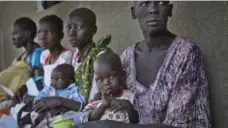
x: 66, y: 69
x: 110, y: 58
x: 53, y: 20
x: 87, y: 15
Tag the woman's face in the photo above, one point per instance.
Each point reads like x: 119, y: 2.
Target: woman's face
x: 152, y: 15
x: 79, y: 33
x: 47, y: 35
x: 19, y: 37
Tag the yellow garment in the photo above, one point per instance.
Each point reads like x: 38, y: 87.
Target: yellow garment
x: 14, y: 77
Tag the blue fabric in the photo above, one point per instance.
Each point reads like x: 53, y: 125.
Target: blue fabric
x: 38, y: 78
x: 35, y: 61
x: 71, y: 92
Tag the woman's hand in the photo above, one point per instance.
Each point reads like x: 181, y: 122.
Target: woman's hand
x: 57, y: 111
x: 18, y: 96
x: 27, y: 98
x: 47, y: 103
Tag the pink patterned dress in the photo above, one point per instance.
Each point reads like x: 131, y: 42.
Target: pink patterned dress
x: 179, y: 95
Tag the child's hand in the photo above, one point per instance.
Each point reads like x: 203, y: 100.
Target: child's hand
x: 57, y: 111
x: 106, y: 96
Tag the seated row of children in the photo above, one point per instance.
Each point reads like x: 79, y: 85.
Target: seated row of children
x: 110, y: 79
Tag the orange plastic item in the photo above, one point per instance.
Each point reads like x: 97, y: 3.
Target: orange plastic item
x: 4, y: 111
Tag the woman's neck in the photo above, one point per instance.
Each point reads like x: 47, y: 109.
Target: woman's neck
x: 55, y: 52
x: 29, y: 47
x: 158, y: 40
x: 84, y: 50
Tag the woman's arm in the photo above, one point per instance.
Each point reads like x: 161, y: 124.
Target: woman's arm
x: 188, y: 103
x: 70, y: 104
x: 133, y: 114
x: 54, y: 102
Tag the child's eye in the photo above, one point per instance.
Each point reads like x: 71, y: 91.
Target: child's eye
x: 68, y: 27
x: 112, y: 76
x: 161, y: 2
x: 53, y: 79
x: 60, y: 79
x: 79, y: 27
x: 144, y: 3
x: 38, y: 32
x: 49, y: 33
x: 98, y: 80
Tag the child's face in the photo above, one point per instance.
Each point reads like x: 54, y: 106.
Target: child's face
x: 106, y: 76
x: 18, y: 36
x: 59, y: 80
x: 47, y: 35
x: 79, y: 33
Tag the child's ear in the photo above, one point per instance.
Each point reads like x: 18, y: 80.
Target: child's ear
x: 27, y: 33
x: 170, y: 9
x: 61, y: 36
x: 95, y: 30
x: 133, y: 13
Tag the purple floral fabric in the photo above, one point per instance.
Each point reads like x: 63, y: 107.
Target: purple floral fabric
x: 179, y: 95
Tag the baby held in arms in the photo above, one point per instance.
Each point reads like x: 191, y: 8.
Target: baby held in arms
x: 62, y: 85
x: 110, y: 79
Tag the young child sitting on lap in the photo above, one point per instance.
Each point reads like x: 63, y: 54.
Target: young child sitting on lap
x: 110, y: 79
x: 62, y: 85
